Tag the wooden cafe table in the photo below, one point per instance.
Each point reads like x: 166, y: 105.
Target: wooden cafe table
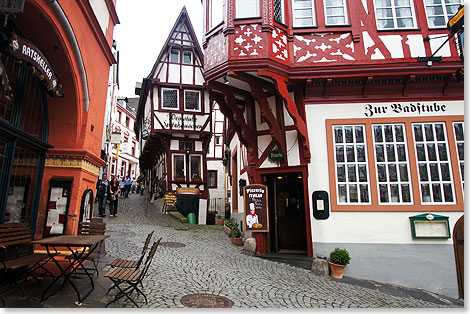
x: 80, y: 247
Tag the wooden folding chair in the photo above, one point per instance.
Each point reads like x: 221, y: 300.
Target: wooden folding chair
x: 91, y: 228
x: 127, y: 280
x: 135, y: 264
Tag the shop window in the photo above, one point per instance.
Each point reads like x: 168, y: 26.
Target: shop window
x: 178, y: 166
x: 9, y: 79
x: 435, y: 174
x: 175, y: 56
x: 216, y: 12
x: 304, y: 13
x: 169, y: 98
x: 394, y: 14
x: 279, y: 11
x: 247, y: 8
x: 335, y: 12
x: 191, y: 100
x: 391, y: 158
x: 352, y: 179
x: 31, y: 109
x: 195, y: 163
x: 212, y: 179
x: 187, y: 57
x: 439, y: 12
x: 459, y: 141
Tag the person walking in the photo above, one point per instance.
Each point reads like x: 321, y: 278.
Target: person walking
x: 122, y: 186
x: 133, y: 186
x: 102, y: 194
x: 114, y: 196
x: 127, y: 186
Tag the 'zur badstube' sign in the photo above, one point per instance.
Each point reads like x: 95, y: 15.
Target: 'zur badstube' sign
x: 25, y: 50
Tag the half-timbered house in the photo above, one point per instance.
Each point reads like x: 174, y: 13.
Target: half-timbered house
x: 350, y: 113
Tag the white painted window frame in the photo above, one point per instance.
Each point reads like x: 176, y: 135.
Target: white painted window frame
x: 254, y: 15
x: 199, y: 100
x: 394, y: 17
x: 190, y: 55
x: 346, y: 17
x: 313, y: 17
x: 174, y: 166
x: 177, y: 99
x: 461, y: 162
x: 179, y: 56
x: 447, y: 17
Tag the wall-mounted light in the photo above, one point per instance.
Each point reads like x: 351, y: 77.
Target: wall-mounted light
x: 279, y: 178
x: 226, y: 82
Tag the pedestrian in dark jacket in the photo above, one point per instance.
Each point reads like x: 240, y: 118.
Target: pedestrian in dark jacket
x: 102, y: 194
x: 114, y: 197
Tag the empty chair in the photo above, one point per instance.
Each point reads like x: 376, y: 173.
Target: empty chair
x: 135, y: 264
x: 126, y: 280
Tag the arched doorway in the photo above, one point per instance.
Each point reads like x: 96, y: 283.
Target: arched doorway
x: 458, y: 236
x: 86, y: 208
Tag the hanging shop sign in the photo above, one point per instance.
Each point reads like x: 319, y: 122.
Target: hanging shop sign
x: 276, y: 155
x: 459, y: 77
x: 25, y: 50
x: 188, y: 191
x: 456, y: 22
x: 255, y: 199
x: 170, y: 199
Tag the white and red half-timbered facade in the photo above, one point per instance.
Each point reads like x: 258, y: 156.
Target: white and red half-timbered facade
x: 334, y: 106
x: 175, y: 111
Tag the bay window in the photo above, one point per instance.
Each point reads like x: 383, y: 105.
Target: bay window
x: 247, y: 8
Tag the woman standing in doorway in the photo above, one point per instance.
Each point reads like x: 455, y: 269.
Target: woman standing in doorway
x: 114, y: 195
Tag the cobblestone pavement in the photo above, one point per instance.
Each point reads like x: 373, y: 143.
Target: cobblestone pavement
x: 210, y: 264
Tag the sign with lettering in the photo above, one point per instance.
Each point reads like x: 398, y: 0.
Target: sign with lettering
x: 170, y: 198
x: 179, y: 121
x: 191, y: 191
x: 456, y: 22
x: 373, y: 110
x: 25, y: 50
x: 255, y: 199
x: 276, y: 155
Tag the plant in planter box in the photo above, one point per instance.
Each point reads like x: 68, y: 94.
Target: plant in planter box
x: 339, y: 258
x: 219, y: 220
x: 229, y: 225
x: 236, y: 236
x: 196, y: 178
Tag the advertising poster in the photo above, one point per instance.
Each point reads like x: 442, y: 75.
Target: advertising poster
x: 255, y: 199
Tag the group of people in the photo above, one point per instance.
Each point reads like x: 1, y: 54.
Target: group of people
x: 107, y: 190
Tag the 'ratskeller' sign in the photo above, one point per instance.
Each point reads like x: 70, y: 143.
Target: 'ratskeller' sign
x: 25, y: 50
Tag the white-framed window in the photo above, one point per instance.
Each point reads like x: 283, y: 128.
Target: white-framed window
x: 392, y: 166
x: 335, y: 12
x: 247, y: 8
x: 191, y: 100
x: 175, y: 56
x: 187, y: 57
x: 304, y: 13
x: 169, y: 98
x: 216, y: 13
x: 432, y: 154
x: 195, y: 166
x: 459, y: 142
x: 440, y: 11
x: 178, y: 166
x: 279, y: 11
x: 394, y: 14
x: 352, y: 177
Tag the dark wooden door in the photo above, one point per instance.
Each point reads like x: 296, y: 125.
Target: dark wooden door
x: 458, y: 236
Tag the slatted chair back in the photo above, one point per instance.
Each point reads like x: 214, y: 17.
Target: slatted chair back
x: 144, y: 249
x: 91, y: 227
x: 148, y: 261
x: 17, y: 236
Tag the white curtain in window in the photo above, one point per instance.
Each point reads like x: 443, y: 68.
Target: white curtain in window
x: 247, y: 8
x: 216, y: 12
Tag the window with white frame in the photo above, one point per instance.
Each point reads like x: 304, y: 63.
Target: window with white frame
x: 178, y: 166
x: 195, y: 164
x: 169, y: 98
x: 335, y: 12
x: 187, y: 57
x: 432, y: 154
x: 391, y: 157
x: 304, y: 13
x: 191, y: 100
x: 279, y: 11
x: 394, y: 14
x: 352, y: 178
x: 440, y: 11
x: 216, y: 12
x: 459, y: 141
x: 247, y: 8
x: 175, y: 56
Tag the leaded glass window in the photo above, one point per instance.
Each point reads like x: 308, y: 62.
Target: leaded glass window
x: 278, y: 10
x: 191, y: 100
x: 394, y: 14
x: 175, y: 56
x: 352, y: 178
x: 440, y: 11
x: 432, y: 154
x: 169, y: 98
x: 178, y: 166
x: 393, y: 169
x: 195, y: 162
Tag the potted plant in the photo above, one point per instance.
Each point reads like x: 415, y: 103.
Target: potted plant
x: 219, y: 220
x: 339, y: 258
x: 196, y: 178
x: 236, y: 236
x: 230, y: 225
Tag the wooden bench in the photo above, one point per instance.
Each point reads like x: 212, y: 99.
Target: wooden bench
x: 16, y: 252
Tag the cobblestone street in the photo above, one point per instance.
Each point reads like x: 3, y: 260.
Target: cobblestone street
x: 209, y: 263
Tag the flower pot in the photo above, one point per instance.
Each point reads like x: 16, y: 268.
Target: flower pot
x: 227, y: 230
x: 219, y: 221
x: 237, y: 241
x: 336, y: 271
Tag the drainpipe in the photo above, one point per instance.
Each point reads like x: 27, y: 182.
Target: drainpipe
x: 78, y: 56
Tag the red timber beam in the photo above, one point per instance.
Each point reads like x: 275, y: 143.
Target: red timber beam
x: 299, y: 122
x: 260, y: 97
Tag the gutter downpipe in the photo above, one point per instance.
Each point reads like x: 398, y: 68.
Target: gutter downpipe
x: 76, y: 49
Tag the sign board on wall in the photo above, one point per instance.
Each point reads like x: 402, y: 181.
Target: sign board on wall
x: 255, y: 200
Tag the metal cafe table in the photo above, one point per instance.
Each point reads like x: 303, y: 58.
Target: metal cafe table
x: 80, y: 247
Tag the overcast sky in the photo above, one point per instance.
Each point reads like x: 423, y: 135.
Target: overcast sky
x: 143, y: 29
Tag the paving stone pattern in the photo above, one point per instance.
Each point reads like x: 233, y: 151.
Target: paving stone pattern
x: 210, y: 264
